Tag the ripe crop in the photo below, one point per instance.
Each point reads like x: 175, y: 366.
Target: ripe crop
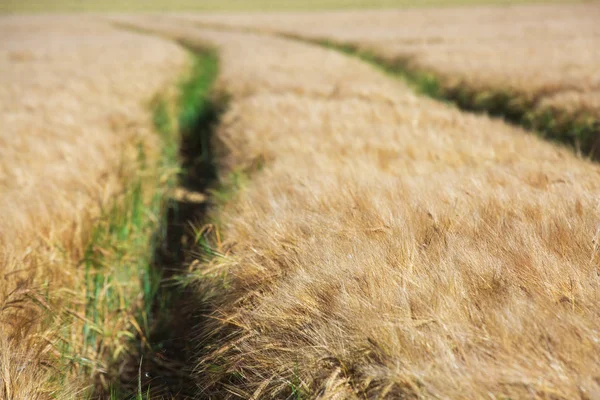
x: 375, y: 243
x: 534, y: 65
x: 312, y: 227
x: 75, y: 133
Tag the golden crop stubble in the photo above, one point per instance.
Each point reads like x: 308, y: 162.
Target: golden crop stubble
x: 391, y: 244
x: 74, y: 94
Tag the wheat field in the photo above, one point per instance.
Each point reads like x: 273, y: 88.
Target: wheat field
x: 361, y: 241
x: 74, y: 122
x: 537, y: 64
x: 383, y: 245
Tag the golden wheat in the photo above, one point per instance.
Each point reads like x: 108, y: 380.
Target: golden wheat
x: 544, y: 53
x: 390, y: 246
x: 74, y: 94
x: 386, y: 246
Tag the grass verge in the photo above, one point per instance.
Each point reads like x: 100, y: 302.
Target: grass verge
x: 579, y: 129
